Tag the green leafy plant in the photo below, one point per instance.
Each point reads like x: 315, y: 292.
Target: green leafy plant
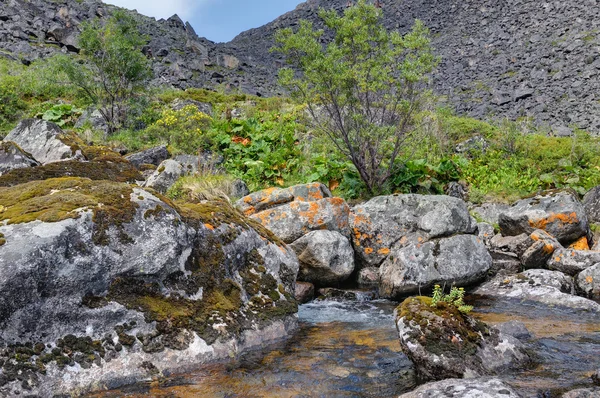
x: 61, y: 114
x: 115, y: 71
x: 363, y: 89
x: 455, y: 298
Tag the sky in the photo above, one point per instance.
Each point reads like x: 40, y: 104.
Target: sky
x: 217, y: 20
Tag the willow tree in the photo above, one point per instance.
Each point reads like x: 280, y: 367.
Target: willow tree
x: 363, y: 88
x: 114, y: 72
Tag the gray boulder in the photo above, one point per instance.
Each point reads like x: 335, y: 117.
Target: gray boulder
x: 550, y: 288
x: 515, y: 329
x: 304, y: 292
x: 368, y: 278
x: 571, y: 261
x: 382, y: 221
x: 489, y: 212
x: 459, y: 260
x: 112, y: 281
x: 587, y: 282
x: 443, y: 342
x: 293, y: 220
x: 543, y: 247
x: 326, y: 258
x: 203, y: 107
x: 167, y: 173
x: 591, y: 204
x: 12, y: 157
x: 94, y: 119
x: 154, y: 156
x: 45, y: 141
x: 273, y: 197
x: 560, y: 213
x: 464, y: 388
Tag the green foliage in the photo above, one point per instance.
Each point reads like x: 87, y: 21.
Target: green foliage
x: 422, y: 176
x: 115, y: 71
x: 263, y: 150
x: 185, y: 130
x: 363, y: 89
x: 61, y: 114
x: 455, y: 298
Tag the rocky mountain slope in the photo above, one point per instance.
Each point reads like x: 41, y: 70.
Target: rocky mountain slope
x: 515, y: 58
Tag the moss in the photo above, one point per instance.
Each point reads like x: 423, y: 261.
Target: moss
x: 96, y: 170
x: 58, y: 199
x: 438, y: 323
x: 216, y: 213
x: 154, y: 213
x: 2, y: 239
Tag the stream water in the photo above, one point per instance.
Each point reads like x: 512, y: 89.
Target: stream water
x: 351, y: 349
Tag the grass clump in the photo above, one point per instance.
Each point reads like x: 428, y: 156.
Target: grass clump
x: 200, y: 187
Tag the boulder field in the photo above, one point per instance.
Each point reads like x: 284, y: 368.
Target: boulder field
x: 106, y: 282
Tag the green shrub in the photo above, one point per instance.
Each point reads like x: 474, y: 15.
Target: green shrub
x: 455, y: 298
x: 61, y: 114
x: 185, y: 130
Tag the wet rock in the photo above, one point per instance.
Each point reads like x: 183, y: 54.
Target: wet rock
x: 547, y: 287
x: 368, y: 278
x: 382, y: 221
x: 515, y: 329
x: 326, y: 258
x: 572, y: 262
x: 12, y: 157
x: 464, y: 388
x: 305, y: 292
x: 557, y: 212
x: 45, y: 141
x: 587, y: 282
x: 293, y: 220
x: 445, y: 343
x: 331, y: 293
x: 273, y: 197
x: 154, y: 156
x: 459, y: 260
x: 83, y: 262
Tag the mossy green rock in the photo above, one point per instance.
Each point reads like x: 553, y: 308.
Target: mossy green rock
x: 101, y: 274
x: 444, y: 343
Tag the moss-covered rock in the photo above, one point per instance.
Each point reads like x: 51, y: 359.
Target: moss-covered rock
x: 446, y: 343
x: 101, y: 273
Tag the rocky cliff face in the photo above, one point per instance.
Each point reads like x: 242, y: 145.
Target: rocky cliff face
x: 515, y: 58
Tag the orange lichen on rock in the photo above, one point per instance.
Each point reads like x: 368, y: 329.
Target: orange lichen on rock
x: 368, y: 250
x: 562, y: 218
x: 207, y: 225
x: 383, y: 251
x: 580, y: 244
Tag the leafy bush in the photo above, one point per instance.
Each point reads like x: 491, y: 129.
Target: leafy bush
x: 185, y: 130
x: 61, y: 114
x: 262, y: 151
x: 455, y: 298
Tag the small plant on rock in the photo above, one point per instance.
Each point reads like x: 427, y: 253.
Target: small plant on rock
x: 455, y: 298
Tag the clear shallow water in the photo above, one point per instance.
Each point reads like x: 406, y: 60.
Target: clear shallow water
x: 342, y: 349
x: 350, y: 349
